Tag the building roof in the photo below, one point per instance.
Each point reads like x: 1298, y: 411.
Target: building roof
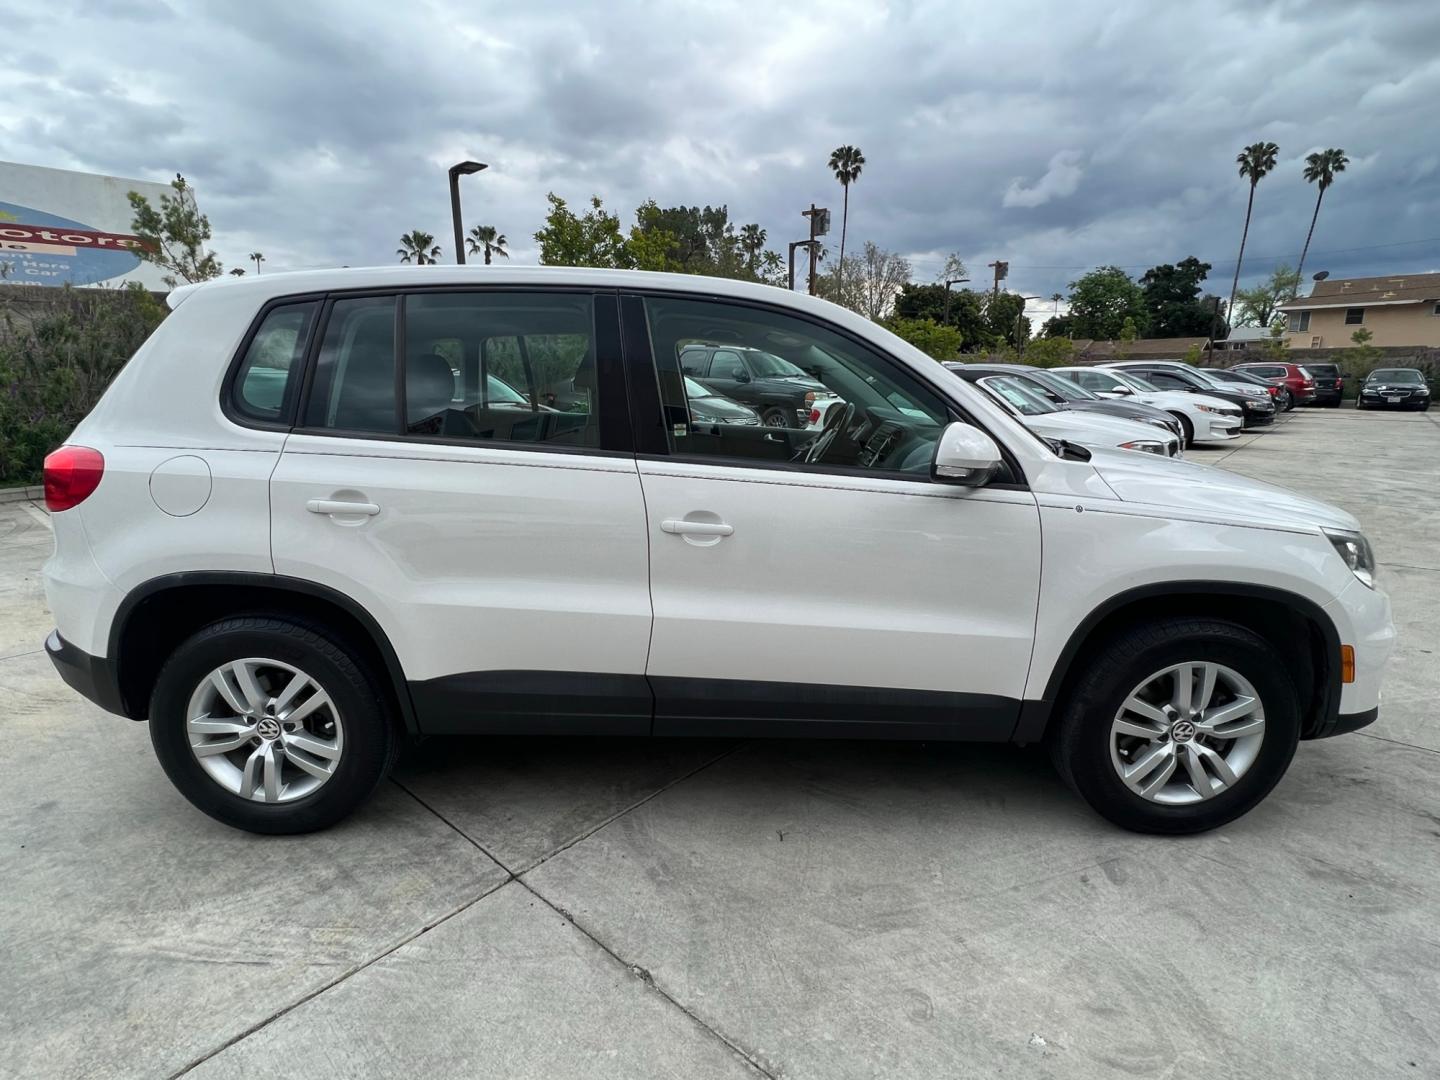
x: 1249, y: 333
x: 1368, y: 292
x: 1096, y: 352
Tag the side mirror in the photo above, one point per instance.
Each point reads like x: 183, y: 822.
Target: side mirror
x: 965, y: 455
x: 1121, y: 391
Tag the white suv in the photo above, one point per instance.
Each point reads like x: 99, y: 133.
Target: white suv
x: 319, y: 512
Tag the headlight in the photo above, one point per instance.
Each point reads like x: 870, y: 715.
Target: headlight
x: 1145, y: 446
x: 1209, y: 408
x: 1357, y: 553
x: 1155, y: 421
x: 1253, y: 404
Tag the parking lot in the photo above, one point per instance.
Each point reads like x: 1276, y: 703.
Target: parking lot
x: 609, y: 908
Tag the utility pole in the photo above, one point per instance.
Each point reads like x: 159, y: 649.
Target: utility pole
x: 819, y: 226
x: 793, y: 245
x: 1002, y: 271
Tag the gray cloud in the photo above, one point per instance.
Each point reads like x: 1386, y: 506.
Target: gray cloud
x: 1058, y: 138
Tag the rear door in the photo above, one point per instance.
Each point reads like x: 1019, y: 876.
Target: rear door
x: 821, y: 582
x: 462, y: 469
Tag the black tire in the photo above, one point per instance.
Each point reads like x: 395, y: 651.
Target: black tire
x: 1080, y: 740
x: 1187, y: 430
x: 371, y: 741
x: 775, y: 416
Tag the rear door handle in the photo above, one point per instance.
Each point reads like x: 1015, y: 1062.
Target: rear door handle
x: 695, y: 528
x: 339, y: 506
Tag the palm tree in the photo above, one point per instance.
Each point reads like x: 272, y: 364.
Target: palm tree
x: 752, y: 241
x: 846, y: 163
x: 1057, y: 297
x: 1255, y: 161
x: 485, y: 238
x: 257, y: 259
x: 418, y: 247
x: 1322, y: 167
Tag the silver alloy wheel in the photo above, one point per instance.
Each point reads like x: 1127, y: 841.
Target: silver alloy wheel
x: 264, y: 730
x: 1187, y: 733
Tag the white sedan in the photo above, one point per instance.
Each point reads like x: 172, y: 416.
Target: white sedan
x: 1085, y: 428
x: 1204, y: 419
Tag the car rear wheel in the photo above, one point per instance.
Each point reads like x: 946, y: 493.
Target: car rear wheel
x: 271, y: 725
x: 1178, y: 726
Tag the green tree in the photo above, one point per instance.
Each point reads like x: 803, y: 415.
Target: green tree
x: 868, y: 283
x: 927, y: 335
x: 174, y: 236
x: 1050, y: 352
x: 593, y: 239
x: 752, y: 242
x: 1172, y: 299
x: 846, y: 162
x: 1257, y: 306
x: 418, y: 247
x: 1194, y: 354
x: 1321, y: 169
x: 1255, y: 161
x: 1361, y: 356
x: 966, y: 311
x: 1102, y: 300
x: 257, y: 258
x: 1005, y: 318
x: 1275, y: 347
x: 487, y: 239
x: 1057, y: 326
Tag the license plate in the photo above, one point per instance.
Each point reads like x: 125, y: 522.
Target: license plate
x: 1392, y: 398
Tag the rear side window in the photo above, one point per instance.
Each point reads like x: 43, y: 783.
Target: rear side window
x: 270, y: 370
x: 502, y: 367
x: 354, y: 384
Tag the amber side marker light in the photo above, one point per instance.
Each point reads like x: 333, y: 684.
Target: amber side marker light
x: 1347, y: 663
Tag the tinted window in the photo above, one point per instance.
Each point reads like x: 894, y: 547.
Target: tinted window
x: 694, y: 361
x: 354, y: 386
x: 1167, y: 381
x: 269, y: 373
x: 1354, y: 316
x: 501, y: 366
x: 1095, y: 380
x: 830, y: 400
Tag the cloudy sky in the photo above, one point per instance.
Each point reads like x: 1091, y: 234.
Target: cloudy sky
x: 1057, y: 136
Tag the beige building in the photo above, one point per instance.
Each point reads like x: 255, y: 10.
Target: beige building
x: 1397, y: 310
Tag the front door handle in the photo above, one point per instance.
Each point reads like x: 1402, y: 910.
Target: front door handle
x: 681, y: 527
x: 340, y: 506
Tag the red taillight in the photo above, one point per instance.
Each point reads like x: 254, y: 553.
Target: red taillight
x: 71, y: 474
x: 814, y: 416
x: 1274, y: 391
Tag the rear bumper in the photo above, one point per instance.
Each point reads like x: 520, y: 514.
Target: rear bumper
x: 95, y: 677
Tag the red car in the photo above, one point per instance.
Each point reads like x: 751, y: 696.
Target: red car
x: 1293, y: 377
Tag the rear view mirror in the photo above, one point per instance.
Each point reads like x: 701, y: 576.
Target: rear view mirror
x: 965, y: 455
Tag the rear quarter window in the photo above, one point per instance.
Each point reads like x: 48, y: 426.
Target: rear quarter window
x: 268, y: 378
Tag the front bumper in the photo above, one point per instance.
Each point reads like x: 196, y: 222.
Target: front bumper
x: 95, y: 677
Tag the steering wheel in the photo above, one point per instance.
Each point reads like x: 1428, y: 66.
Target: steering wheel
x: 836, y: 421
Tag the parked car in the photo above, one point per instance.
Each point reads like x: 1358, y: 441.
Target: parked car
x: 1202, y: 418
x: 1394, y: 388
x: 285, y: 589
x: 1060, y: 424
x: 1278, y: 392
x: 708, y: 407
x: 1297, y: 380
x: 780, y: 392
x: 1329, y: 383
x: 1067, y: 394
x: 1255, y: 403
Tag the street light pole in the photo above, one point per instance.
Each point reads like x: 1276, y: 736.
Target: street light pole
x: 463, y: 168
x: 1023, y: 301
x: 948, y: 282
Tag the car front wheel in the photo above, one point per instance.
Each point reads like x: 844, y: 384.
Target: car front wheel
x: 1178, y: 726
x: 270, y: 725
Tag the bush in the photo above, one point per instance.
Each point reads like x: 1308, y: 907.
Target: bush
x: 932, y: 338
x: 55, y: 365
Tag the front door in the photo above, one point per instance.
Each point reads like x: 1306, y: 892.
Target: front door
x: 482, y: 505
x: 820, y: 581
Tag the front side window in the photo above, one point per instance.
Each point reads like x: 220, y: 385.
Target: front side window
x: 1354, y: 316
x: 501, y: 366
x: 1096, y: 381
x: 810, y: 396
x: 1167, y: 380
x: 269, y: 373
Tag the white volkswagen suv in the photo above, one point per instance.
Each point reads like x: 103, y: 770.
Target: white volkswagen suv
x: 304, y: 523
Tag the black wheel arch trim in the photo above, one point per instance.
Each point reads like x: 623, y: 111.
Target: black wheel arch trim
x: 280, y: 583
x: 1035, y: 713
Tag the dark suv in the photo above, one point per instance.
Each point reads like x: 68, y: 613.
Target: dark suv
x: 780, y: 392
x: 1329, y: 383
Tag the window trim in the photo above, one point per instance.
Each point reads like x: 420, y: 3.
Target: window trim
x: 294, y: 388
x: 609, y: 358
x: 652, y: 443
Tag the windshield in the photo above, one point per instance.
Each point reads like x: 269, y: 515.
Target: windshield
x: 1018, y: 396
x: 764, y: 365
x: 1063, y: 385
x: 1403, y: 376
x: 1208, y: 378
x: 500, y: 390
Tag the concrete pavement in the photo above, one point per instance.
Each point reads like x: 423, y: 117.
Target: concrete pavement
x: 593, y: 908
